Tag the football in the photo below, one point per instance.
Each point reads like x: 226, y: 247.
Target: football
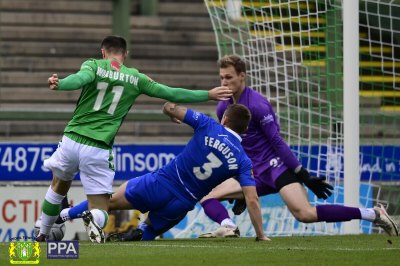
x: 57, y: 232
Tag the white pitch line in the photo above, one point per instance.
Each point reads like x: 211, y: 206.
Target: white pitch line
x: 243, y: 247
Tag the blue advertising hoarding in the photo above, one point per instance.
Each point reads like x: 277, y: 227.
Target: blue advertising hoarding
x: 22, y: 162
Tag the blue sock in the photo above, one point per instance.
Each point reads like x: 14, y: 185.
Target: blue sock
x: 76, y: 211
x: 148, y: 232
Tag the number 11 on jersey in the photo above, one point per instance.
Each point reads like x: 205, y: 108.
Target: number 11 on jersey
x: 116, y: 90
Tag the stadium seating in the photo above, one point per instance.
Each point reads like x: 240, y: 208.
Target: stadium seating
x: 176, y: 48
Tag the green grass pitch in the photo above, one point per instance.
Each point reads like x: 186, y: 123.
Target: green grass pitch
x: 297, y: 250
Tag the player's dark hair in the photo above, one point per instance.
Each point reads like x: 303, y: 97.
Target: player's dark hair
x: 238, y: 117
x: 233, y: 60
x: 114, y: 44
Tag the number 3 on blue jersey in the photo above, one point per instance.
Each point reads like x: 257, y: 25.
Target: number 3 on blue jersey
x: 214, y: 162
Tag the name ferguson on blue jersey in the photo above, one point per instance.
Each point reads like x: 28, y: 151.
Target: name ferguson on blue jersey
x: 224, y: 149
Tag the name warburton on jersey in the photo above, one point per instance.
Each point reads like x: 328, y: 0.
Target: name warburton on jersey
x: 117, y: 75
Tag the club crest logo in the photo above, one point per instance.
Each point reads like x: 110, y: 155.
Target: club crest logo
x: 24, y: 252
x: 267, y: 119
x: 115, y: 65
x: 275, y: 162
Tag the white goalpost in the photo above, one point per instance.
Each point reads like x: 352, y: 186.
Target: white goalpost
x: 351, y: 110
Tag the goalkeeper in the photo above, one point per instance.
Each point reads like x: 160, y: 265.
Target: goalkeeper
x: 276, y: 169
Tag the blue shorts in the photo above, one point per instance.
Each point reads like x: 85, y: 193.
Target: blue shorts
x: 146, y: 194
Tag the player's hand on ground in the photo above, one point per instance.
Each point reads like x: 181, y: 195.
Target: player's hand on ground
x: 53, y: 82
x: 239, y: 206
x: 220, y: 93
x: 262, y: 238
x: 316, y: 184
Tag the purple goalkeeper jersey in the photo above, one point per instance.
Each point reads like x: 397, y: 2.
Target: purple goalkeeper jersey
x: 263, y: 143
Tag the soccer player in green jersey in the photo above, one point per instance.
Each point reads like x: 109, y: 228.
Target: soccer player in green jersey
x: 109, y: 89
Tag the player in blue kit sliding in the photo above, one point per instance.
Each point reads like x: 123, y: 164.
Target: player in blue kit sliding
x: 213, y: 155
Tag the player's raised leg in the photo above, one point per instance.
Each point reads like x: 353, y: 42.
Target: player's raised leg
x: 295, y: 197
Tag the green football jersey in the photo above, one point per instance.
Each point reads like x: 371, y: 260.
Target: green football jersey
x: 109, y: 89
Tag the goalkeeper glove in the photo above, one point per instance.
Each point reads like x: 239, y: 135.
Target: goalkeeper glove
x: 239, y: 206
x: 315, y: 184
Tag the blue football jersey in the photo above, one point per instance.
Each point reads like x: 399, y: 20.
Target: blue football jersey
x: 212, y: 155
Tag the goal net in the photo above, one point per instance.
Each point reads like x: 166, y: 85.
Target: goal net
x: 294, y: 52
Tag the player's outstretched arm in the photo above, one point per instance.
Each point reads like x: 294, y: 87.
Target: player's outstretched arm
x: 220, y: 93
x: 175, y: 112
x: 74, y: 81
x: 181, y: 95
x: 253, y: 206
